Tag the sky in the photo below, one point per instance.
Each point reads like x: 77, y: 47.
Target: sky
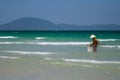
x: 79, y: 12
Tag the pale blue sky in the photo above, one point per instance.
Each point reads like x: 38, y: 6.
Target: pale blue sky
x: 81, y: 12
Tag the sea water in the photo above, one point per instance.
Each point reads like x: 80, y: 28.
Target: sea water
x: 63, y: 47
x: 68, y: 46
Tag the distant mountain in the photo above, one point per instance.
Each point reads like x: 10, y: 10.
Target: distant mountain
x: 31, y: 23
x: 28, y: 23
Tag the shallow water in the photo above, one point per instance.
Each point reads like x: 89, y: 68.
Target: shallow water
x: 52, y: 55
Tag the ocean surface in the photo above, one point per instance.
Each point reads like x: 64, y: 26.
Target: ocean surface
x: 63, y: 48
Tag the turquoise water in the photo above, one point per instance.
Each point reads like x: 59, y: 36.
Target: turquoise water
x: 28, y: 55
x: 68, y: 46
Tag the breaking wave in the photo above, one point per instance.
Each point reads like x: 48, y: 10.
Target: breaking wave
x: 110, y: 46
x: 85, y: 61
x: 40, y: 38
x: 63, y: 43
x: 108, y: 40
x: 48, y: 43
x: 12, y: 42
x: 8, y: 37
x: 92, y: 61
x: 26, y: 52
x: 8, y: 57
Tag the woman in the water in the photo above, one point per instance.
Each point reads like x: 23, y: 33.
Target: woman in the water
x: 94, y: 43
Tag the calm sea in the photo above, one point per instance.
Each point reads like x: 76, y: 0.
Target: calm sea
x: 70, y: 46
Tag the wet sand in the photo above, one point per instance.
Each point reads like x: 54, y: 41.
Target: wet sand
x: 25, y: 69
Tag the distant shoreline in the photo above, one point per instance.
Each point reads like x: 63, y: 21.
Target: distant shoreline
x: 59, y: 30
x: 38, y: 24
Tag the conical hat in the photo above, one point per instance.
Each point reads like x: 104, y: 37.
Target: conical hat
x: 92, y: 36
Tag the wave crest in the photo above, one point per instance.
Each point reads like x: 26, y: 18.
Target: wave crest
x: 8, y: 37
x: 108, y: 39
x: 48, y: 43
x: 39, y: 38
x: 8, y: 57
x: 85, y: 61
x: 26, y: 52
x: 92, y: 61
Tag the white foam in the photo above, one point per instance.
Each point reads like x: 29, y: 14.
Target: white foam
x: 12, y: 43
x: 40, y: 38
x: 63, y: 43
x: 108, y: 46
x: 73, y: 64
x: 6, y: 37
x: 108, y: 39
x: 84, y: 61
x: 59, y: 43
x: 118, y: 46
x: 92, y: 61
x: 48, y: 58
x: 25, y: 52
x: 88, y: 66
x: 48, y: 43
x: 8, y: 57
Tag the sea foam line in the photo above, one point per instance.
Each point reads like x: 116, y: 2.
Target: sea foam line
x: 48, y: 43
x: 6, y: 37
x: 26, y: 52
x: 63, y: 43
x: 110, y: 46
x: 12, y: 43
x: 118, y: 46
x: 92, y: 61
x: 40, y: 38
x: 59, y: 44
x: 84, y: 61
x: 8, y: 57
x: 107, y: 39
